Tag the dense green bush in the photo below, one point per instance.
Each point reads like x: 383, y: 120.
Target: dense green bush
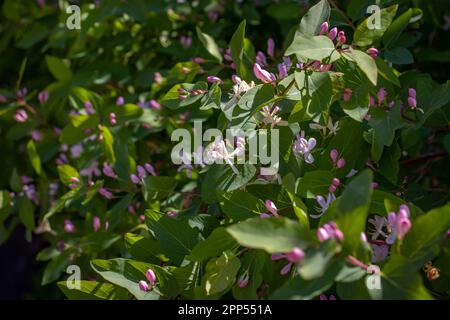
x: 359, y: 118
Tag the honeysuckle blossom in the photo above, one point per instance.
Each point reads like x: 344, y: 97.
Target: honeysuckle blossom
x: 261, y: 59
x: 329, y: 231
x: 399, y: 224
x: 295, y: 256
x: 379, y: 252
x: 271, y: 118
x: 351, y: 173
x: 108, y: 171
x: 214, y: 79
x: 243, y: 280
x: 330, y: 126
x: 239, y: 88
x: 262, y: 74
x: 379, y: 223
x: 150, y: 169
x: 105, y: 193
x: 218, y: 150
x: 323, y: 203
x: 304, y: 147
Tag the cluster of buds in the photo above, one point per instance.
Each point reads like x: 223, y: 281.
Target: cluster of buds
x: 294, y: 257
x: 74, y: 182
x: 151, y: 277
x: 112, y: 118
x: 105, y: 193
x: 337, y: 162
x: 183, y: 93
x: 412, y: 101
x: 333, y: 34
x: 330, y: 231
x: 399, y: 224
x: 334, y: 184
x: 142, y: 173
x: 373, y: 52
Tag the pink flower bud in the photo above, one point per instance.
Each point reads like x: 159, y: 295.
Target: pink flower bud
x: 264, y: 215
x: 333, y: 33
x: 214, y: 79
x: 151, y: 277
x: 68, y: 226
x: 142, y: 218
x: 340, y: 163
x: 105, y: 193
x: 20, y: 115
x: 341, y: 38
x: 144, y: 286
x: 277, y: 256
x: 36, y: 135
x: 347, y: 94
x: 282, y: 70
x: 141, y: 172
x: 363, y: 237
x: 262, y: 74
x: 322, y: 234
x: 43, y: 97
x: 334, y: 155
x: 336, y: 182
x: 157, y: 77
x: 270, y: 206
x: 382, y: 93
x: 332, y: 188
x: 371, y: 101
x: 243, y: 280
x: 412, y: 92
x: 339, y: 235
x: 295, y: 255
x: 120, y: 101
x: 150, y: 169
x: 74, y: 179
x: 412, y: 102
x: 373, y: 52
x: 89, y: 107
x: 323, y: 28
x: 112, y: 118
x: 109, y: 171
x: 96, y: 224
x: 134, y: 178
x: 404, y: 211
x: 374, y: 185
x: 3, y: 99
x: 271, y: 47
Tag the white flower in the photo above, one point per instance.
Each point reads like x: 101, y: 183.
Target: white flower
x: 239, y: 88
x: 304, y: 147
x: 323, y: 204
x: 271, y: 118
x: 330, y: 126
x: 379, y: 223
x: 218, y: 151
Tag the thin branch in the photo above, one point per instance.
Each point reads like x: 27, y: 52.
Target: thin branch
x: 342, y: 14
x: 424, y: 157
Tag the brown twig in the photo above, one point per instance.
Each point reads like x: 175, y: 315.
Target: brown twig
x: 342, y: 14
x: 427, y: 156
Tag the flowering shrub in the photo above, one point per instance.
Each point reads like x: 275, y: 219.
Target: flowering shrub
x: 351, y: 205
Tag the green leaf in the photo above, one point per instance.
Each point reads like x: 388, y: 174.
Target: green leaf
x: 108, y: 144
x: 315, y: 16
x: 253, y: 263
x: 422, y: 242
x: 220, y: 274
x: 209, y: 44
x: 384, y: 125
x: 316, y: 261
x: 366, y: 63
x: 400, y: 282
x: 217, y: 242
x: 389, y: 163
x: 272, y: 235
x: 316, y: 91
x: 5, y: 205
x: 157, y: 187
x: 240, y: 206
x: 397, y: 27
x: 26, y: 213
x: 386, y: 72
x: 364, y: 36
x: 311, y: 47
x: 66, y: 172
x: 144, y: 249
x: 34, y: 157
x: 300, y: 289
x: 98, y: 241
x: 57, y: 266
x: 175, y: 236
x: 237, y: 51
x: 92, y: 290
x: 127, y: 274
x: 314, y: 183
x: 399, y: 55
x: 221, y: 178
x: 58, y: 68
